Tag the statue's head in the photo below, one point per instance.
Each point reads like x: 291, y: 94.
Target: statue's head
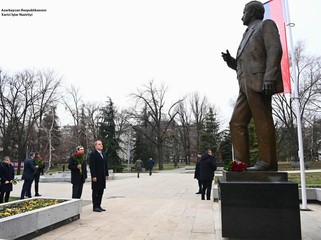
x: 252, y: 10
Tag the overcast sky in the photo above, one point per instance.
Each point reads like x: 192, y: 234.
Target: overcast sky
x: 112, y: 47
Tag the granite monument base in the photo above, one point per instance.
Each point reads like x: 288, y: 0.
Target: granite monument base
x: 259, y: 205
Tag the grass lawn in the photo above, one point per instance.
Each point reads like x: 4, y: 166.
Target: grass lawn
x: 311, y: 179
x: 13, y: 199
x: 167, y: 166
x: 286, y: 166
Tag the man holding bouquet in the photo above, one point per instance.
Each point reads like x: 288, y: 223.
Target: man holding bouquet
x: 78, y: 167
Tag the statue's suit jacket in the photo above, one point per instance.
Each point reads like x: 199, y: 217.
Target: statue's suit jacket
x: 259, y: 55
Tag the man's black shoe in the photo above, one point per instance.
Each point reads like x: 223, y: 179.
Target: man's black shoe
x: 102, y: 209
x: 37, y: 195
x: 198, y: 193
x: 97, y: 210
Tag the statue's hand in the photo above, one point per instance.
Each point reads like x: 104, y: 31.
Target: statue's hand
x: 227, y: 56
x: 269, y: 87
x: 231, y: 62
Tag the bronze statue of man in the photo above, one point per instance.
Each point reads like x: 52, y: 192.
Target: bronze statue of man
x: 258, y: 68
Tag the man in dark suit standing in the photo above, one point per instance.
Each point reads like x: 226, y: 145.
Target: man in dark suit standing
x: 99, y: 174
x: 27, y: 176
x: 78, y: 167
x: 258, y: 67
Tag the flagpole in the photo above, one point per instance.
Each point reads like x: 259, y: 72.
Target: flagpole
x: 297, y: 108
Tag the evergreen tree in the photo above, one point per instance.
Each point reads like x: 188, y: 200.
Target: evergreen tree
x: 210, y: 136
x: 143, y: 148
x: 107, y: 132
x: 226, y: 146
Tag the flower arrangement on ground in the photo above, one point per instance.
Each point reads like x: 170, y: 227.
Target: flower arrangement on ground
x: 25, y: 206
x: 235, y: 166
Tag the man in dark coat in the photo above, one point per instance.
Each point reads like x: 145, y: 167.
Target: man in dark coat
x: 207, y: 168
x: 99, y: 174
x: 197, y: 173
x: 258, y: 68
x: 150, y: 166
x: 78, y: 168
x: 27, y: 176
x: 7, y: 176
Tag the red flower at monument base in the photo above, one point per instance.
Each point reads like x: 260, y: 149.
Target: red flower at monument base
x: 238, y: 166
x: 235, y: 166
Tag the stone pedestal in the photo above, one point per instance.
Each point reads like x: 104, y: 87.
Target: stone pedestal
x: 259, y: 205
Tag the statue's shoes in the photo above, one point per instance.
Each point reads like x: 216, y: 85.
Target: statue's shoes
x: 257, y: 168
x: 260, y: 168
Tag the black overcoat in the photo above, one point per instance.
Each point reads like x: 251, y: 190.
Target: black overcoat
x: 197, y: 169
x: 7, y: 174
x: 99, y: 169
x: 207, y: 167
x: 76, y: 176
x: 28, y: 169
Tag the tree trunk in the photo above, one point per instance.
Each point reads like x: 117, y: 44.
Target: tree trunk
x: 160, y: 156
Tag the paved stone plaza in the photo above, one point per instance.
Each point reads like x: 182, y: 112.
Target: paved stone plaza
x: 161, y: 206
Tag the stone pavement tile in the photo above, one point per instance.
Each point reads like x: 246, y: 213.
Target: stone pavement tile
x: 202, y: 236
x: 204, y: 222
x: 183, y: 228
x: 137, y: 235
x: 311, y: 222
x: 181, y: 235
x: 217, y: 221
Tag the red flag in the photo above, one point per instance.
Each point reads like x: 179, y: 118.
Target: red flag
x: 274, y: 9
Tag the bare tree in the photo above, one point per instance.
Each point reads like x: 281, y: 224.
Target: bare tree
x: 153, y: 99
x: 74, y: 104
x: 92, y: 117
x: 25, y: 97
x: 309, y: 76
x: 199, y: 108
x: 46, y: 103
x: 184, y: 129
